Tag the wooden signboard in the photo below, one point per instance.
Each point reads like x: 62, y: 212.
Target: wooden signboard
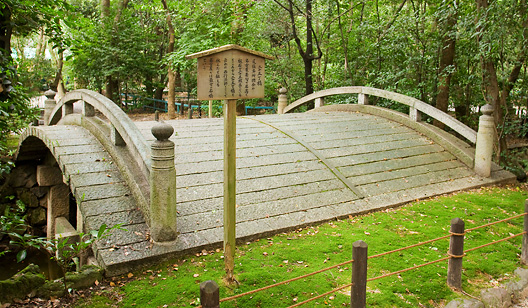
x: 230, y: 72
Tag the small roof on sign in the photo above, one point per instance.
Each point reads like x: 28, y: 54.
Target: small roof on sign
x: 226, y: 48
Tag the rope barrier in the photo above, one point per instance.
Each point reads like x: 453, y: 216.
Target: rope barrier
x: 495, y: 242
x: 496, y: 222
x: 407, y: 247
x: 284, y: 282
x: 452, y: 256
x: 321, y: 295
x: 408, y: 269
x: 383, y: 254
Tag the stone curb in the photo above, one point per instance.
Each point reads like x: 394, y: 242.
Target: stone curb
x: 500, y: 297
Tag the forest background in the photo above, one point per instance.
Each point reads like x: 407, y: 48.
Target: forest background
x: 455, y: 55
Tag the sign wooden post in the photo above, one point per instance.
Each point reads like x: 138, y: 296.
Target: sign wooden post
x: 229, y: 73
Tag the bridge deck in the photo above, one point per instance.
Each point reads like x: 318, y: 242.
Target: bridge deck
x: 292, y: 170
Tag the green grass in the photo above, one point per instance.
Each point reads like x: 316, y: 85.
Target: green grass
x: 288, y: 255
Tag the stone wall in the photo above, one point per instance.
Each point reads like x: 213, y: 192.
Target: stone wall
x: 41, y: 189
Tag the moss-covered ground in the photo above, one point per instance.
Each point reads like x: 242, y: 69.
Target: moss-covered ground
x: 287, y: 255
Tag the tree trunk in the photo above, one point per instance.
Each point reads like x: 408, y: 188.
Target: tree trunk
x: 171, y: 110
x: 307, y: 55
x: 105, y: 8
x: 493, y: 94
x: 58, y: 75
x: 6, y: 29
x: 446, y: 61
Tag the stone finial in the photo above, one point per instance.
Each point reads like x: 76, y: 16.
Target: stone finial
x: 486, y: 109
x: 283, y: 90
x: 50, y: 94
x: 162, y: 131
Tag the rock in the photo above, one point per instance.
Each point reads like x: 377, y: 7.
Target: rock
x: 21, y: 284
x: 39, y: 191
x: 465, y: 303
x: 51, y: 289
x: 29, y: 199
x: 518, y: 286
x: 37, y: 216
x: 23, y: 176
x: 522, y: 273
x: 85, y: 278
x: 496, y: 298
x: 43, y: 202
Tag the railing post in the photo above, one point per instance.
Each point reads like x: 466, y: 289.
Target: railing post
x: 283, y: 100
x: 524, y: 248
x: 363, y: 99
x: 358, y: 292
x: 163, y: 185
x: 209, y: 294
x: 456, y: 252
x: 319, y: 102
x: 484, y: 145
x: 88, y: 110
x: 415, y: 115
x: 49, y: 104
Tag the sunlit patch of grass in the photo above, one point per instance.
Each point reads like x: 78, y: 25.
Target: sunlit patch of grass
x: 287, y: 255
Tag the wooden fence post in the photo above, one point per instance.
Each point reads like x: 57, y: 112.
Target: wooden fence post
x: 524, y: 248
x: 358, y: 292
x: 209, y: 294
x: 456, y: 251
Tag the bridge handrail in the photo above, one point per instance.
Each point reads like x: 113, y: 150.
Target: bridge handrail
x: 122, y: 125
x: 415, y: 104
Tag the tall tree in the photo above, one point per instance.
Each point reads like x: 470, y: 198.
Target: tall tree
x: 306, y: 52
x: 496, y: 92
x: 448, y: 20
x: 171, y: 111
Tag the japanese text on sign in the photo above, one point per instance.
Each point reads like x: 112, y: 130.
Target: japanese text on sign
x: 230, y: 75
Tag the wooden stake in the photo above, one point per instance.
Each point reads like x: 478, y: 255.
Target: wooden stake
x: 456, y: 250
x: 229, y: 187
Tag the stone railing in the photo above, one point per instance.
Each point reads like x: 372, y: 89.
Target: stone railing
x: 153, y: 181
x: 123, y: 131
x: 416, y: 106
x: 480, y: 161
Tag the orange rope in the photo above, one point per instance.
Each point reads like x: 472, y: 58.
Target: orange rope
x: 494, y: 242
x: 408, y: 269
x: 412, y: 246
x: 284, y: 282
x: 496, y: 222
x: 319, y: 296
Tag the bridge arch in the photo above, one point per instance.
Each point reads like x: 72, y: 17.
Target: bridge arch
x: 295, y: 170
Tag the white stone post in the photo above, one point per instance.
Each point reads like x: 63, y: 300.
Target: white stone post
x: 319, y: 102
x: 484, y: 145
x: 163, y: 185
x: 49, y: 104
x: 283, y: 100
x: 363, y: 99
x: 415, y: 115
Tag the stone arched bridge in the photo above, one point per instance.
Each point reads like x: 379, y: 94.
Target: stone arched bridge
x: 292, y: 169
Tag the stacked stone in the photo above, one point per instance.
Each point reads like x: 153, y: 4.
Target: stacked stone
x: 35, y: 186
